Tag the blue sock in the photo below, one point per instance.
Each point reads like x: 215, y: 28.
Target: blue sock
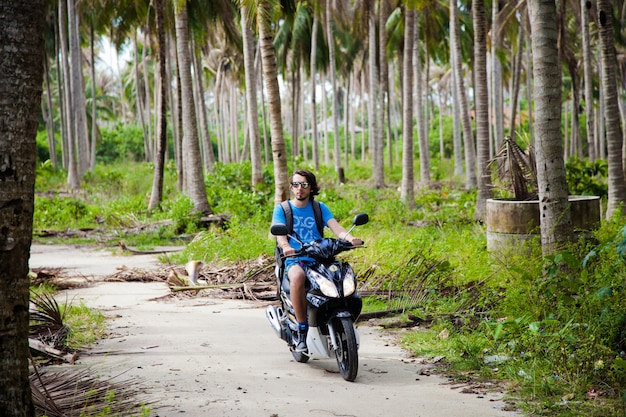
x: 303, y: 326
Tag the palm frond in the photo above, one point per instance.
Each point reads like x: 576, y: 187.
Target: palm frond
x: 515, y: 170
x: 81, y: 393
x: 47, y: 320
x: 410, y: 286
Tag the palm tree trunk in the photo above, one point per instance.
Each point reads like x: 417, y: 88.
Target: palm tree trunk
x: 94, y: 97
x: 22, y: 68
x: 156, y: 196
x: 516, y: 81
x: 496, y: 74
x: 313, y: 92
x: 617, y: 187
x: 333, y: 82
x: 375, y: 140
x: 73, y: 178
x: 266, y: 38
x: 422, y: 130
x: 556, y: 225
x: 468, y: 135
x: 588, y: 78
x: 49, y: 115
x: 481, y: 104
x: 194, y: 179
x: 77, y: 83
x: 383, y: 15
x: 251, y: 96
x: 406, y: 189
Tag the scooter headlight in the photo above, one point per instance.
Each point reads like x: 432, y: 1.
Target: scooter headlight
x: 326, y: 286
x: 349, y: 284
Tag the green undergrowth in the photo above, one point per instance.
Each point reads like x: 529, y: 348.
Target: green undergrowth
x: 551, y: 330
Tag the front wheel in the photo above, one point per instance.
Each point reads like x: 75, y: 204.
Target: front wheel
x: 346, y: 352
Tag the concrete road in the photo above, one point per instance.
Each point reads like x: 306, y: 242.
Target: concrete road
x: 210, y: 357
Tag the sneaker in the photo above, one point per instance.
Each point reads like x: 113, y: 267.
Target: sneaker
x: 301, y: 342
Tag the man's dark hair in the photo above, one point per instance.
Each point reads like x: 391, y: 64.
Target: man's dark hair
x: 310, y: 178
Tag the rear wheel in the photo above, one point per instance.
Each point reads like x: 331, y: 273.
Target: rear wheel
x: 346, y: 353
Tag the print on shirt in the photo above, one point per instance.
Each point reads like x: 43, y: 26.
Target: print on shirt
x: 304, y: 227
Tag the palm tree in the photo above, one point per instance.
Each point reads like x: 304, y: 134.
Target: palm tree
x: 481, y: 100
x: 375, y: 131
x: 420, y: 111
x: 21, y: 35
x: 468, y: 135
x: 313, y: 85
x: 251, y: 96
x: 77, y: 90
x: 330, y: 39
x: 406, y: 190
x: 585, y: 5
x: 192, y: 163
x: 266, y: 37
x: 556, y: 225
x: 73, y: 177
x: 617, y: 187
x: 161, y: 142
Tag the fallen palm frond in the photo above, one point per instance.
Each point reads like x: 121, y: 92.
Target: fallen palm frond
x: 515, y: 170
x: 81, y: 393
x: 410, y: 285
x: 47, y: 320
x: 58, y: 278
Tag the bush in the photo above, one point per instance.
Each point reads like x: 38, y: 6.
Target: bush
x: 121, y: 143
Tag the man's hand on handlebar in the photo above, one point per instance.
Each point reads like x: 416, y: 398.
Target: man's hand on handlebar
x: 357, y: 242
x: 288, y: 251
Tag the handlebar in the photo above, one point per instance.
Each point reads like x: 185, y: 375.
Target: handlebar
x: 325, y: 248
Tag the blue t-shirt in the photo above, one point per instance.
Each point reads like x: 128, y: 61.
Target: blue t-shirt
x: 304, y: 227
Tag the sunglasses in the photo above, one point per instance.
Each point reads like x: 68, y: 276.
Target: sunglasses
x: 300, y: 184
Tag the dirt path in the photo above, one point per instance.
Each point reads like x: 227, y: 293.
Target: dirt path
x: 212, y: 357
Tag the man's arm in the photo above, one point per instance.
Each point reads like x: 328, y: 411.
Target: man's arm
x: 342, y: 233
x: 283, y: 242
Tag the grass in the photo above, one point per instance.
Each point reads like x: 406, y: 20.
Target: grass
x: 555, y: 338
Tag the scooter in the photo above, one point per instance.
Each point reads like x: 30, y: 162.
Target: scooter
x: 333, y: 303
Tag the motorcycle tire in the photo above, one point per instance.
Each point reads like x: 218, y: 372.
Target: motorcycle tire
x: 347, y: 354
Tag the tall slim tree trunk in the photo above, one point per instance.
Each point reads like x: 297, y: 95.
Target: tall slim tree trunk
x: 585, y: 6
x: 556, y: 224
x: 516, y: 79
x: 375, y: 140
x: 21, y: 77
x: 313, y: 92
x: 383, y: 15
x: 139, y: 97
x: 457, y: 141
x: 73, y: 177
x: 496, y: 74
x: 481, y: 105
x: 266, y: 40
x: 333, y: 82
x: 94, y: 100
x: 50, y: 116
x: 194, y: 178
x: 422, y: 130
x: 77, y: 83
x: 251, y: 96
x: 156, y: 196
x: 406, y: 189
x: 617, y: 187
x: 468, y: 135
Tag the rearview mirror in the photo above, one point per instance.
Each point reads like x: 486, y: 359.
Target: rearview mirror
x: 360, y: 219
x: 279, y: 229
